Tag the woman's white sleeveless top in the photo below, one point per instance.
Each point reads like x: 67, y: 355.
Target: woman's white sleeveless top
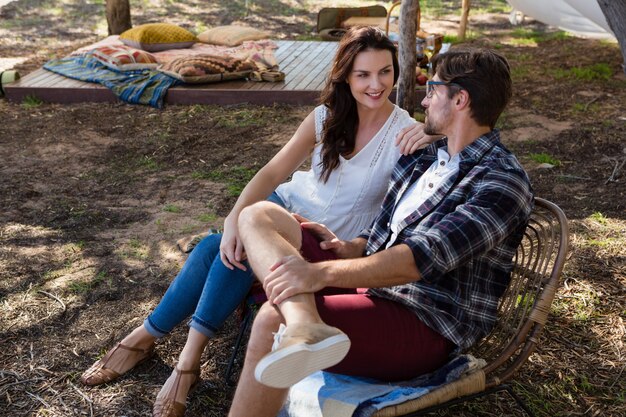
x: 348, y: 202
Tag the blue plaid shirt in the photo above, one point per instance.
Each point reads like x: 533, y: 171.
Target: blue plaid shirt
x: 463, y: 238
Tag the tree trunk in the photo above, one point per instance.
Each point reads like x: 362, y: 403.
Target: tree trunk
x: 464, y: 17
x: 615, y: 13
x: 407, y: 58
x: 118, y: 16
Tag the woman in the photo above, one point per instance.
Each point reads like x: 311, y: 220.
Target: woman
x: 351, y: 137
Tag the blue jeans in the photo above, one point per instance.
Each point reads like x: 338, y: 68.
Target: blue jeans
x: 204, y: 287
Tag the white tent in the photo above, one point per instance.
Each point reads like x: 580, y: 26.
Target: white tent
x: 581, y: 17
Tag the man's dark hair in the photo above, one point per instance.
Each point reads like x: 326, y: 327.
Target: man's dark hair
x: 484, y: 74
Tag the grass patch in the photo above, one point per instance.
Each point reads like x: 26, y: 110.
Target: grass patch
x: 279, y: 7
x: 525, y: 300
x: 235, y: 177
x: 189, y: 229
x: 537, y: 36
x: 207, y: 217
x: 586, y: 107
x: 544, y: 158
x: 437, y: 8
x: 521, y: 36
x: 603, y: 243
x: 580, y: 304
x: 536, y: 401
x: 135, y: 249
x: 596, y: 72
x: 520, y: 72
x: 469, y: 36
x: 30, y: 102
x: 528, y: 42
x: 172, y: 208
x: 600, y: 218
x: 50, y: 275
x: 148, y: 163
x: 241, y: 118
x: 83, y: 287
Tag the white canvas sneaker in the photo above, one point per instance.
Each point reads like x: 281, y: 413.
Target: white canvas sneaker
x: 298, y: 351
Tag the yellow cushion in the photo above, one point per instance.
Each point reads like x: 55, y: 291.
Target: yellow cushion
x: 231, y: 35
x: 154, y: 37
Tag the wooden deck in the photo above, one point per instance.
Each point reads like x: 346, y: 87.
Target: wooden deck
x: 304, y: 63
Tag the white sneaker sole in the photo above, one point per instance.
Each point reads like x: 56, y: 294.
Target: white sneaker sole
x: 285, y: 367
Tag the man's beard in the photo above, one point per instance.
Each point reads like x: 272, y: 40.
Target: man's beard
x: 430, y: 129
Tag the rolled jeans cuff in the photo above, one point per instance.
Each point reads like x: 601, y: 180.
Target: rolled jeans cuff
x: 198, y: 325
x: 152, y: 329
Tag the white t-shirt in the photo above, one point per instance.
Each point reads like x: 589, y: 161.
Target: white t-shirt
x: 348, y: 202
x: 438, y: 173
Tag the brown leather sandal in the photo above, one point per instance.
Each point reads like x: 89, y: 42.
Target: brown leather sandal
x: 98, y: 373
x: 169, y: 407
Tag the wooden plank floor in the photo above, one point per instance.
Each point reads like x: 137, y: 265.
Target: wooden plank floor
x: 305, y: 64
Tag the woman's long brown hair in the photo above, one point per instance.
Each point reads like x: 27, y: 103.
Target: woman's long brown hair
x: 340, y: 126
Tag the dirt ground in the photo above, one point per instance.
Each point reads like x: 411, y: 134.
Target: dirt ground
x: 93, y: 198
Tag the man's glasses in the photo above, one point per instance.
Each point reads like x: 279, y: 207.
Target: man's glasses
x: 430, y: 87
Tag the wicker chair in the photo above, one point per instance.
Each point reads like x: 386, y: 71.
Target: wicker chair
x: 381, y: 22
x: 523, y: 312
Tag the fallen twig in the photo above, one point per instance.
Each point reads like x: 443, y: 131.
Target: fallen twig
x: 590, y: 102
x: 574, y: 177
x: 53, y: 297
x: 616, y: 169
x: 5, y: 371
x: 58, y: 397
x: 85, y: 397
x: 38, y: 398
x: 82, y: 394
x: 618, y: 378
x: 5, y: 387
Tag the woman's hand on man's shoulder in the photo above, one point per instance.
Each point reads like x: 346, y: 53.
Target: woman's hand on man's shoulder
x: 412, y: 138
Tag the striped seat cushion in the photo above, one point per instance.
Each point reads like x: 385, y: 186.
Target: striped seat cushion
x: 124, y: 58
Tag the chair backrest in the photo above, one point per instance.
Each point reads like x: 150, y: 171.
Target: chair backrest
x: 396, y: 4
x: 332, y: 17
x: 524, y: 308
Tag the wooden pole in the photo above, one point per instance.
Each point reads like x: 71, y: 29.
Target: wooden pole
x: 118, y: 16
x: 407, y: 58
x: 615, y: 14
x: 464, y: 18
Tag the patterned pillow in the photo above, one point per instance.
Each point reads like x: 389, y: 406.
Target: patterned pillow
x: 207, y: 68
x: 231, y: 35
x: 124, y: 58
x: 154, y: 37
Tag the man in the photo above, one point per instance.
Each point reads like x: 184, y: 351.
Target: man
x: 424, y: 281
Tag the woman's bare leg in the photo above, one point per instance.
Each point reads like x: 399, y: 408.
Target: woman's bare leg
x: 188, y: 360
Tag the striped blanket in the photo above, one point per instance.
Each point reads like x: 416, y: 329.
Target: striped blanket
x: 137, y: 87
